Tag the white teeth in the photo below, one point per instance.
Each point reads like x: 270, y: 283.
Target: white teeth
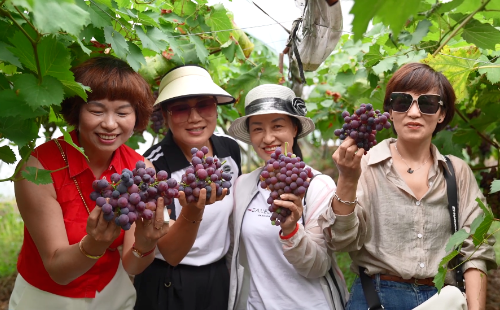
x: 269, y: 149
x: 196, y: 129
x: 106, y: 137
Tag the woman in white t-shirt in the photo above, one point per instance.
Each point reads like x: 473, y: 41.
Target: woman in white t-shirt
x: 291, y: 268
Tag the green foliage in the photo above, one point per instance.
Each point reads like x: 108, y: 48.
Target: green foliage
x: 495, y: 187
x: 37, y: 176
x: 11, y: 237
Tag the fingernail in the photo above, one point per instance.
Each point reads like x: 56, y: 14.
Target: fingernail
x: 282, y: 196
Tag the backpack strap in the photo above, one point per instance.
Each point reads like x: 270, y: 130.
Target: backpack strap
x: 452, y: 191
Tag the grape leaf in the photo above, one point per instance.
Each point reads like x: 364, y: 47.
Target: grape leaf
x: 4, y: 83
x: 23, y: 50
x: 54, y: 58
x: 28, y: 4
x: 82, y: 46
x: 391, y: 12
x: 447, y: 7
x: 52, y: 15
x: 7, y: 155
x: 456, y: 240
x: 69, y: 140
x: 421, y: 31
x: 133, y: 142
x: 100, y: 15
x: 492, y: 73
x: 482, y: 35
x: 149, y: 18
x: 384, y: 65
x: 174, y: 18
x: 201, y: 50
x: 439, y: 278
x: 229, y: 50
x: 135, y: 58
x: 373, y: 56
x: 153, y: 38
x: 184, y: 7
x: 72, y: 88
x: 481, y: 224
x: 495, y: 186
x: 105, y: 2
x: 37, y: 176
x: 13, y: 105
x: 19, y: 132
x: 117, y: 41
x: 49, y: 92
x: 7, y: 55
x: 218, y: 20
x: 457, y: 70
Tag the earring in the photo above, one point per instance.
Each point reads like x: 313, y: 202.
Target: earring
x: 439, y: 120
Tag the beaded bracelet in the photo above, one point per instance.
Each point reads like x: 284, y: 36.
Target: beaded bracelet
x: 87, y: 254
x: 346, y: 202
x: 192, y: 221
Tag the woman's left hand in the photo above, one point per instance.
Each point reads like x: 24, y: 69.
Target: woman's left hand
x: 148, y: 232
x: 294, y: 204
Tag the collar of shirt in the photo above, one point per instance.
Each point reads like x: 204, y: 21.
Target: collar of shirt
x: 382, y: 152
x: 175, y: 157
x: 78, y: 163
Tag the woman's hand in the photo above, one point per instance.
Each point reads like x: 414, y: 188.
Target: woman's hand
x: 202, y: 200
x: 100, y: 233
x: 148, y: 232
x: 347, y: 157
x: 294, y: 204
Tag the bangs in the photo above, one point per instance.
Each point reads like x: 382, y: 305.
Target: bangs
x: 419, y: 80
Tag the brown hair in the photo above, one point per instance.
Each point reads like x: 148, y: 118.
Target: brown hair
x: 112, y: 79
x: 421, y: 78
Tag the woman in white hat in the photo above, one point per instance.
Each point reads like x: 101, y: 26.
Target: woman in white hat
x: 188, y: 99
x: 291, y: 268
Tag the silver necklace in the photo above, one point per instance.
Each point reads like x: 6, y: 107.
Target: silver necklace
x: 410, y: 171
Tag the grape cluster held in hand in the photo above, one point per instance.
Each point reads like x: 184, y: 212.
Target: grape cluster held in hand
x: 133, y: 194
x: 362, y: 126
x: 204, y: 170
x: 284, y: 174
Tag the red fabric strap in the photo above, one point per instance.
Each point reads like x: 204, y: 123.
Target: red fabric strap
x: 290, y: 235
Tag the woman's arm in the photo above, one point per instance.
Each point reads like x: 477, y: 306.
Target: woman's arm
x: 42, y: 216
x: 475, y: 288
x: 175, y: 245
x: 307, y: 250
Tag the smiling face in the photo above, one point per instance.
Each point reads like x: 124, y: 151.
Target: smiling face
x: 413, y: 125
x: 269, y: 131
x: 195, y: 129
x: 105, y: 125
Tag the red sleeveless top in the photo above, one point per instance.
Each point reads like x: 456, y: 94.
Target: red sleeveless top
x: 75, y: 215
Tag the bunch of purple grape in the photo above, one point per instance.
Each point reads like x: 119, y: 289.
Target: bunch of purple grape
x: 157, y: 121
x: 204, y: 170
x: 284, y: 174
x: 362, y: 126
x: 133, y: 194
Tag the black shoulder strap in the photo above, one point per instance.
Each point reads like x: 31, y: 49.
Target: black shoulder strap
x: 452, y: 191
x: 371, y: 296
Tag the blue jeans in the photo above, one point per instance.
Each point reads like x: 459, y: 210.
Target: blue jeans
x: 393, y: 295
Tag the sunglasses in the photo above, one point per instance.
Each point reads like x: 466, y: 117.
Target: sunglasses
x: 427, y: 104
x: 206, y: 108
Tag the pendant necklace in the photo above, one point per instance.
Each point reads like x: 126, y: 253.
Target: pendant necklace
x: 410, y: 171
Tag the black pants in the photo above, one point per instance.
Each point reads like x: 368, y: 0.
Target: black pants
x: 183, y: 287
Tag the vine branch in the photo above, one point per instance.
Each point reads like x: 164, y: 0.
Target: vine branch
x: 464, y: 22
x: 477, y: 131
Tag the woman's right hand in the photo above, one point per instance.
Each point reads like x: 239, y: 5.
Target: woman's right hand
x: 347, y: 157
x: 100, y: 232
x: 202, y: 200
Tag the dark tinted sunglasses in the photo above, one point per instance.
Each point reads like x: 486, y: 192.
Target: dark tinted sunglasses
x: 427, y: 104
x: 206, y: 108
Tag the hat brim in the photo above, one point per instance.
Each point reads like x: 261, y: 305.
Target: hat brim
x: 193, y: 86
x: 239, y: 130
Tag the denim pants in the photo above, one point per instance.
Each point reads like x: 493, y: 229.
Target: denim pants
x: 393, y: 295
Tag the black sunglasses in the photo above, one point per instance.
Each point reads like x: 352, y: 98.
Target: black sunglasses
x: 427, y: 103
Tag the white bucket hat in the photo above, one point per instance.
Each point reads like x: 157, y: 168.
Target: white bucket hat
x: 188, y: 81
x: 268, y: 99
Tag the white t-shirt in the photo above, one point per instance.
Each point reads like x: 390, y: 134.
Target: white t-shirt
x: 274, y: 283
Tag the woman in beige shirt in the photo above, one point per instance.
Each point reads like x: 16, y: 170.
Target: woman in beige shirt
x: 400, y: 224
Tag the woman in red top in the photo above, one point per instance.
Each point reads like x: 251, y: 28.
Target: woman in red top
x: 68, y: 259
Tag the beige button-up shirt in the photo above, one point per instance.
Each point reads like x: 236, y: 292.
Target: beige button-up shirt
x: 391, y: 232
